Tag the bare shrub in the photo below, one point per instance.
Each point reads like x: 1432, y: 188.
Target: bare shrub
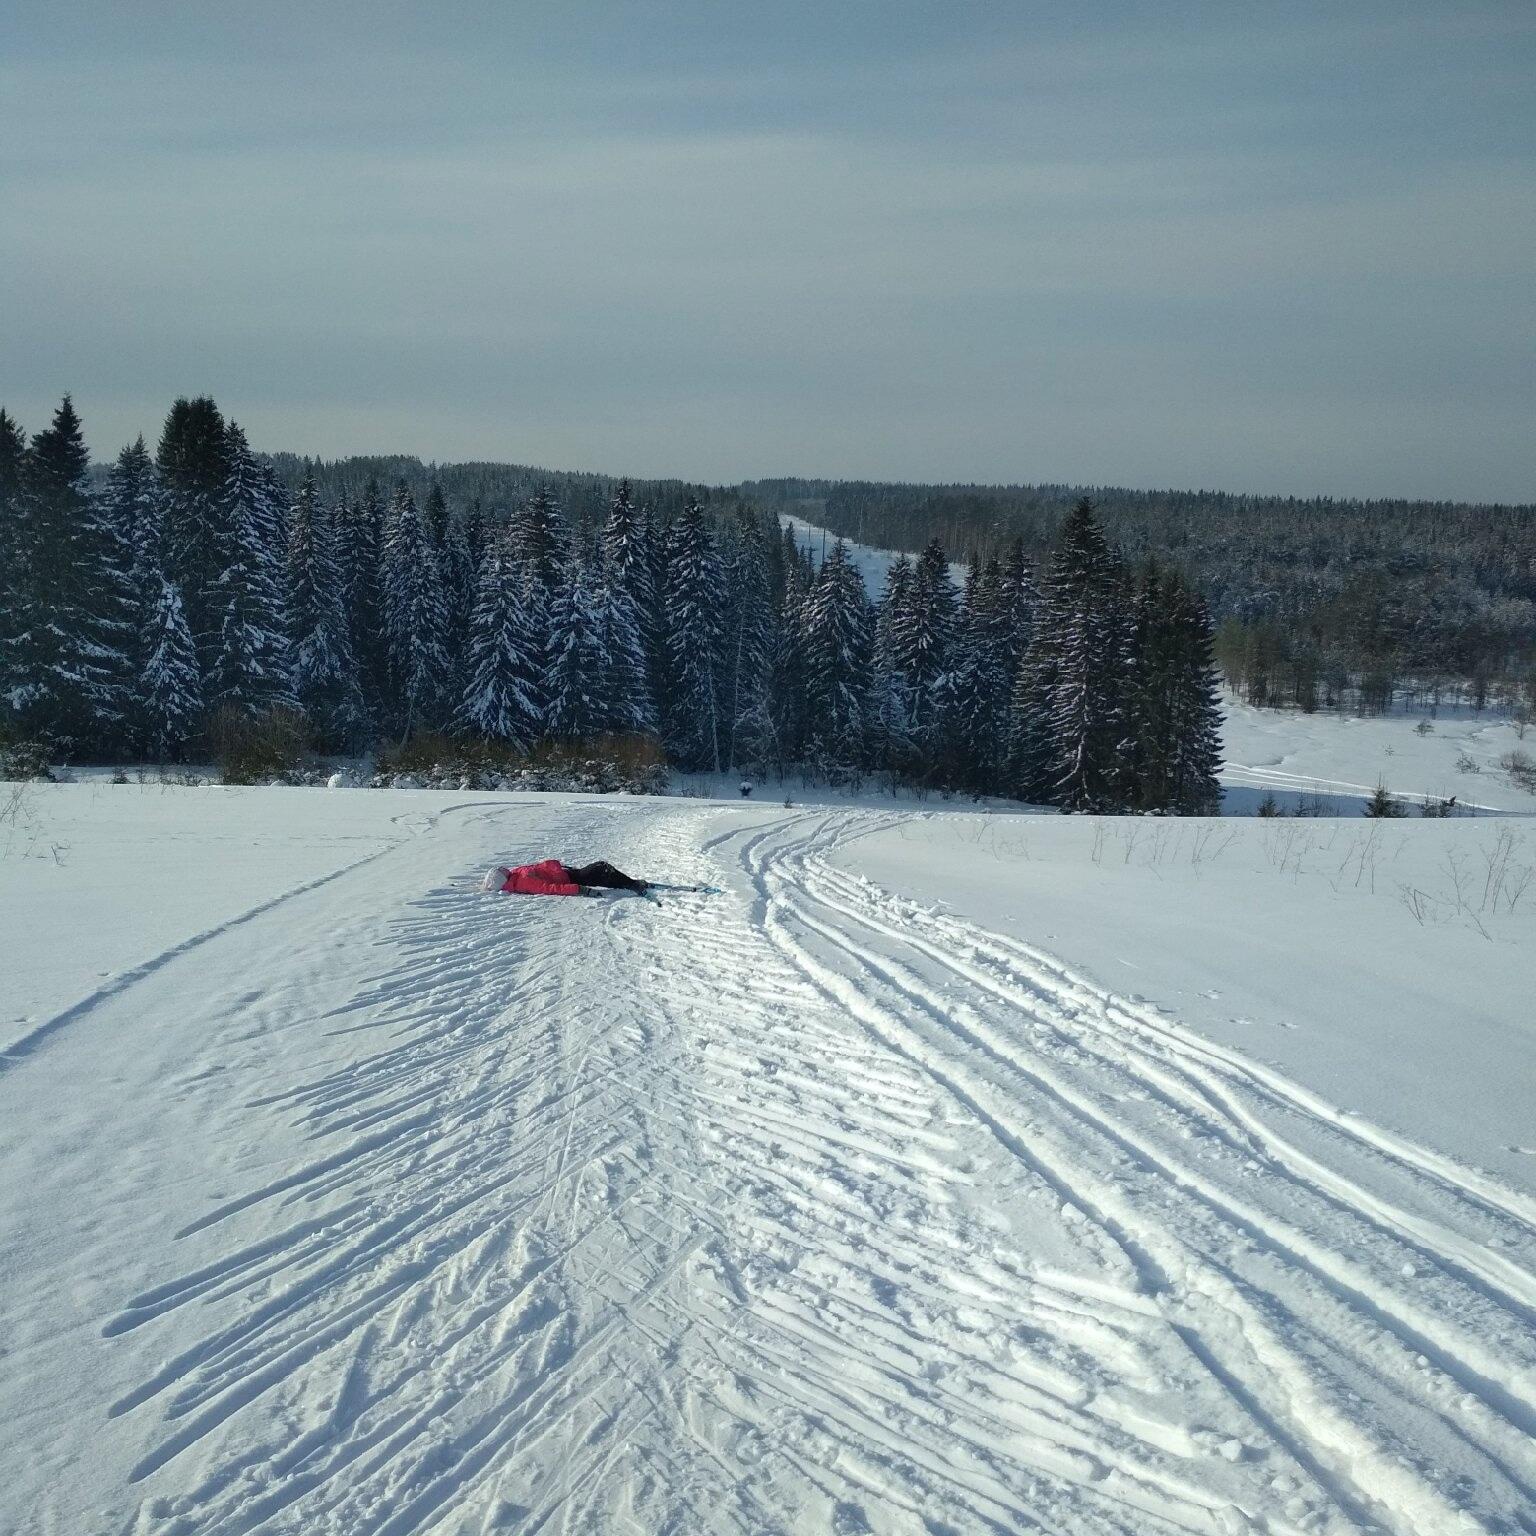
x: 599, y: 765
x: 255, y: 749
x: 1521, y: 768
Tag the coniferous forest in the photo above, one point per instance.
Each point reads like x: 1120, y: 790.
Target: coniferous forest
x: 1318, y: 603
x: 376, y: 601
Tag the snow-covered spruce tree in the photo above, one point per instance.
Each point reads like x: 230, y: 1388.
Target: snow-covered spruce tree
x: 788, y: 671
x: 1032, y: 756
x: 13, y: 541
x: 359, y: 545
x: 68, y: 668
x: 460, y: 564
x: 627, y: 702
x: 272, y: 508
x: 1195, y: 723
x: 629, y: 567
x: 839, y: 642
x: 1087, y: 610
x: 134, y: 506
x: 169, y: 702
x: 891, y: 746
x: 920, y: 634
x: 693, y: 599
x: 1021, y: 599
x: 578, y: 679
x: 747, y: 647
x: 1154, y: 667
x: 415, y: 618
x: 1174, y: 704
x: 501, y: 656
x: 193, y: 459
x: 325, y: 675
x: 435, y: 515
x: 980, y: 678
x: 893, y: 600
x: 537, y: 539
x: 250, y: 670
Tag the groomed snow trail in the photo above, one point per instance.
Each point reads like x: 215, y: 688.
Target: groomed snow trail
x: 803, y: 1208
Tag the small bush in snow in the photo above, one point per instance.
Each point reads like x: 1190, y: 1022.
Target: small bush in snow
x: 1382, y: 806
x: 1521, y: 768
x: 24, y: 759
x: 604, y: 765
x: 265, y: 748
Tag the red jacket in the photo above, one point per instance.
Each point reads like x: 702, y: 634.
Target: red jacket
x: 549, y: 877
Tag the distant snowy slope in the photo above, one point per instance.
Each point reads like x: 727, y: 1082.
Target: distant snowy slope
x: 872, y: 564
x: 936, y: 1174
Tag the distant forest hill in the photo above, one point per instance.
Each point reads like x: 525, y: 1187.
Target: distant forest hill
x: 1318, y: 602
x: 494, y: 490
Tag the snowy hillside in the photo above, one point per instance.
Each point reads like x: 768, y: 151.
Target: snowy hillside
x: 943, y: 1172
x: 872, y: 564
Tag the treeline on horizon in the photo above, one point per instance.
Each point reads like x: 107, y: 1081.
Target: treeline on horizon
x: 203, y: 581
x: 1318, y: 601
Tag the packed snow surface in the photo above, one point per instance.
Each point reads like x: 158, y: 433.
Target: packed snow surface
x: 901, y: 1185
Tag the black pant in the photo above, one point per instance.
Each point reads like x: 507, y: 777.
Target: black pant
x: 603, y: 873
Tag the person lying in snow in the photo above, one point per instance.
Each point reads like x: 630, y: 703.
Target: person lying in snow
x: 550, y: 877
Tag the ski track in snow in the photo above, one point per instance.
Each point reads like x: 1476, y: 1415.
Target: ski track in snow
x: 803, y: 1208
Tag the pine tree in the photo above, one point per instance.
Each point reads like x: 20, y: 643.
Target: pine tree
x: 1087, y: 614
x: 1195, y: 714
x: 134, y: 507
x: 693, y: 597
x: 747, y: 647
x: 193, y: 459
x: 499, y: 699
x: 68, y: 667
x: 460, y: 565
x: 437, y: 519
x: 250, y: 671
x: 359, y: 555
x: 919, y: 637
x: 415, y: 618
x: 578, y: 706
x: 324, y: 669
x: 629, y: 568
x: 979, y: 681
x: 537, y: 540
x: 839, y: 642
x: 1021, y: 600
x: 1153, y: 677
x: 169, y: 694
x: 13, y: 544
x: 788, y: 673
x: 627, y: 704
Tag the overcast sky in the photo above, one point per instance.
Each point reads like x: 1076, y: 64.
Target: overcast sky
x: 1272, y: 247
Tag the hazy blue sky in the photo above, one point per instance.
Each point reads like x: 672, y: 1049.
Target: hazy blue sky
x: 1275, y: 247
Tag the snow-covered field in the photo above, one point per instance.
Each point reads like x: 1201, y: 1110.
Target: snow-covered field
x: 945, y: 1172
x: 1341, y: 758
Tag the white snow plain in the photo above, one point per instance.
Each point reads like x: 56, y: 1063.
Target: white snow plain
x: 945, y: 1172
